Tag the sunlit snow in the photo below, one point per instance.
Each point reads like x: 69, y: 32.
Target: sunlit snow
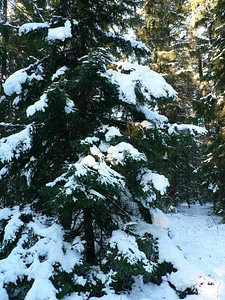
x: 128, y: 248
x: 57, y: 33
x: 36, y: 260
x: 191, y: 128
x: 13, y: 84
x: 191, y: 240
x: 28, y: 27
x: 152, y: 84
x: 118, y: 153
x: 160, y: 182
x: 16, y: 143
x: 60, y: 33
x: 39, y: 105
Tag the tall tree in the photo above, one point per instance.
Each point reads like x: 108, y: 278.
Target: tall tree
x: 82, y: 156
x: 88, y: 154
x: 211, y: 106
x: 171, y: 34
x: 4, y: 34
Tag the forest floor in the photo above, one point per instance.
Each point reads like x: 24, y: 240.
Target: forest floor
x: 196, y: 246
x: 193, y: 240
x: 200, y: 236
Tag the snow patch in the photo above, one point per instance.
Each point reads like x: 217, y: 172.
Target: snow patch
x: 16, y: 143
x: 159, y: 218
x: 69, y: 108
x: 39, y: 105
x: 160, y: 182
x: 112, y: 132
x: 117, y: 154
x: 42, y: 289
x: 13, y: 84
x: 59, y: 72
x: 12, y: 226
x: 152, y: 115
x: 28, y: 27
x: 193, y: 129
x: 60, y: 33
x: 152, y: 84
x: 37, y: 250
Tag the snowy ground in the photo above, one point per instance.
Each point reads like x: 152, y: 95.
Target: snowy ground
x: 201, y: 237
x: 195, y: 243
x: 193, y: 239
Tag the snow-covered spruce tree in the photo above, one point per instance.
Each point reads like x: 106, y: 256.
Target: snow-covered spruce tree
x: 84, y: 163
x: 212, y: 107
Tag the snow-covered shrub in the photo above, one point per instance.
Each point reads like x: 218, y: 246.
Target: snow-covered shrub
x: 129, y: 255
x: 32, y: 247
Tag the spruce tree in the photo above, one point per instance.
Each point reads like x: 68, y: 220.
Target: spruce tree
x: 212, y: 108
x: 170, y: 32
x: 83, y: 163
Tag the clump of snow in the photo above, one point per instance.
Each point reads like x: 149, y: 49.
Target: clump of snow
x: 59, y: 72
x: 152, y: 84
x: 118, y: 153
x: 96, y: 152
x: 6, y: 212
x: 13, y: 84
x: 139, y: 45
x: 193, y: 129
x: 3, y: 171
x: 90, y: 140
x: 16, y: 143
x: 13, y: 226
x: 42, y: 104
x: 153, y: 115
x: 69, y: 108
x: 112, y: 132
x: 60, y: 33
x: 213, y: 187
x: 89, y: 165
x: 131, y: 38
x: 39, y: 105
x: 28, y: 27
x: 160, y: 182
x: 37, y: 293
x: 159, y: 218
x: 145, y: 124
x: 107, y: 175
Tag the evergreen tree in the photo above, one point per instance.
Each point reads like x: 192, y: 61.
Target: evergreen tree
x: 87, y: 154
x: 172, y: 36
x: 212, y: 108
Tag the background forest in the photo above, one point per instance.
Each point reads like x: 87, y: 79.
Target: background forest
x: 109, y: 110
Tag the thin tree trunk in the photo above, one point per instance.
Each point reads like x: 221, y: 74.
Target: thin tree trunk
x: 89, y: 236
x: 4, y: 41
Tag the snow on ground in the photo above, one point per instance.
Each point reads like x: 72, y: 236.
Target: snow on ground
x: 194, y: 241
x: 201, y: 237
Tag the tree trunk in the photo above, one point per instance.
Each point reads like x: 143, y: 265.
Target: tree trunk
x: 89, y: 236
x: 4, y: 41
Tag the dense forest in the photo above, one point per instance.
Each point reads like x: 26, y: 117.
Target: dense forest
x: 109, y: 111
